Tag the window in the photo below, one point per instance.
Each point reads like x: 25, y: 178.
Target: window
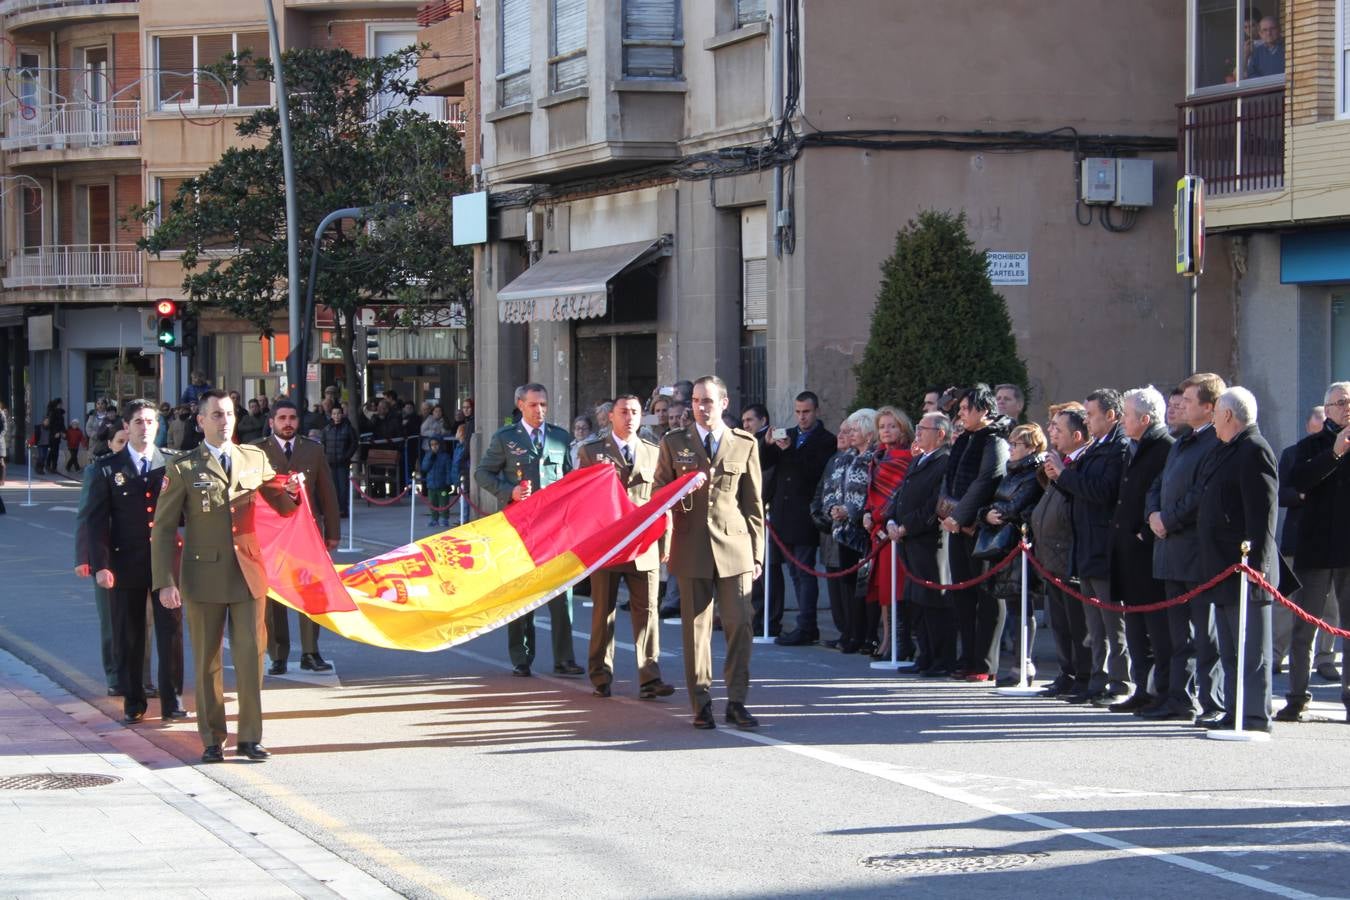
x: 31, y: 214
x: 181, y: 82
x: 1235, y: 43
x: 166, y: 191
x: 567, y: 59
x: 748, y: 11
x: 652, y: 39
x: 513, y: 81
x: 30, y: 79
x: 385, y: 41
x: 1343, y: 58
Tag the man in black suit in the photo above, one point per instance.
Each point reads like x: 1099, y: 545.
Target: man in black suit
x: 122, y: 498
x: 797, y: 460
x: 1094, y: 484
x: 1238, y: 504
x: 1132, y: 581
x: 911, y: 519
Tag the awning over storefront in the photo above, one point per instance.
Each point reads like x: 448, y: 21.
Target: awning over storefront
x: 564, y: 286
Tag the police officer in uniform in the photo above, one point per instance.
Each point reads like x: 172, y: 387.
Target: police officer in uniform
x: 213, y: 489
x: 634, y: 459
x: 716, y: 547
x: 520, y: 458
x: 288, y: 452
x: 124, y: 488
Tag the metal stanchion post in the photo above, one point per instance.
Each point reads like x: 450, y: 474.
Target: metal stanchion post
x: 1023, y: 687
x: 351, y: 520
x: 463, y: 507
x: 29, y: 501
x: 412, y: 510
x: 1237, y: 734
x: 768, y: 556
x: 894, y: 662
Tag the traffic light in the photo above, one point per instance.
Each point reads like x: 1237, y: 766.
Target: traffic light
x: 166, y: 312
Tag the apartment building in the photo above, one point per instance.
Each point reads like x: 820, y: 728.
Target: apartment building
x: 106, y: 109
x: 1266, y: 122
x: 690, y: 187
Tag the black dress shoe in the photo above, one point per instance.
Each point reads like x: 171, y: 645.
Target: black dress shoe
x: 669, y: 612
x: 152, y: 691
x: 1292, y: 712
x: 601, y: 690
x: 936, y: 673
x: 1077, y: 698
x: 848, y: 647
x: 213, y: 754
x: 313, y: 662
x: 278, y: 667
x: 253, y: 750
x: 520, y: 671
x: 739, y: 716
x: 1133, y: 704
x: 174, y: 714
x: 1205, y: 719
x: 1107, y: 699
x: 624, y: 605
x: 568, y: 668
x: 133, y: 718
x: 655, y: 688
x: 704, y: 719
x: 1329, y: 672
x: 1165, y: 712
x: 831, y: 644
x: 796, y: 638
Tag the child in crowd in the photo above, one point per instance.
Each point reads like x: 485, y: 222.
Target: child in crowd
x: 438, y: 478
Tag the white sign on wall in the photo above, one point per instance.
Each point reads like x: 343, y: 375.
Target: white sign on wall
x: 1009, y: 267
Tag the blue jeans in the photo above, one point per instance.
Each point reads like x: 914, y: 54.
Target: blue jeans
x: 806, y: 585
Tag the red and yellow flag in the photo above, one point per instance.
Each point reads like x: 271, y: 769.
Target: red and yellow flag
x: 451, y: 587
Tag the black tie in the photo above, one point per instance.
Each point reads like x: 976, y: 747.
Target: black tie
x: 538, y: 440
x: 288, y: 450
x: 225, y: 463
x: 707, y: 445
x: 145, y: 467
x: 627, y: 455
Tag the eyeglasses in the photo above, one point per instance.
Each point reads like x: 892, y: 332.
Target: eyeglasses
x: 927, y: 428
x: 1344, y: 401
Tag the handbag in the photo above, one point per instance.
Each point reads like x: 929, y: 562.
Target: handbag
x: 995, y: 543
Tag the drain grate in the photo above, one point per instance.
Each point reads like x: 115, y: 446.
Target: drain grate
x: 54, y: 781
x: 950, y: 860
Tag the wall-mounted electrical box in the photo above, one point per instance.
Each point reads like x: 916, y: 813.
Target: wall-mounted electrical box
x: 1099, y: 179
x: 1134, y: 183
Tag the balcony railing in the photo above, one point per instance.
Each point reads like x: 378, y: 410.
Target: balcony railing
x: 74, y: 265
x: 1234, y: 141
x: 72, y: 126
x: 432, y: 13
x: 14, y: 7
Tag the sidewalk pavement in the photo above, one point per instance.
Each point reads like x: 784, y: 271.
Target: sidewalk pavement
x: 158, y: 828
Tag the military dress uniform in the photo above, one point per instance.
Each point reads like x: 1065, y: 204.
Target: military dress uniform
x: 635, y: 462
x: 119, y: 519
x: 716, y: 540
x: 222, y: 574
x: 512, y: 456
x: 305, y: 456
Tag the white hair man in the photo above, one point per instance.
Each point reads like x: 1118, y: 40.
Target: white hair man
x: 1237, y: 513
x: 1321, y: 475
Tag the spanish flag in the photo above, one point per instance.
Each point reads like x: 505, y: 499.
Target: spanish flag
x: 452, y: 587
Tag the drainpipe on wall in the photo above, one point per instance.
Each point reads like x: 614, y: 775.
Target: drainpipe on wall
x: 776, y: 45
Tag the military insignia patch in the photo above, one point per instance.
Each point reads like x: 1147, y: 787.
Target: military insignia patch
x: 119, y: 479
x: 164, y: 485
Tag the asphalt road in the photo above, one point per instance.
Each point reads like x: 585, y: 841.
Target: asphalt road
x: 442, y: 775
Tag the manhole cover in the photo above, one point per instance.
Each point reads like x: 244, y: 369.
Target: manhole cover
x: 949, y: 860
x: 53, y: 781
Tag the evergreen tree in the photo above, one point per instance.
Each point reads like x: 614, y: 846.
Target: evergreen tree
x: 938, y: 321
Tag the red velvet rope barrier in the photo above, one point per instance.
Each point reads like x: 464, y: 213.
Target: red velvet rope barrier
x: 787, y: 554
x: 1260, y: 581
x: 369, y: 499
x: 1119, y: 607
x: 440, y: 509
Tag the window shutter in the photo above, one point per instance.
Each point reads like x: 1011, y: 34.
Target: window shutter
x: 748, y: 11
x: 213, y: 49
x: 651, y: 29
x: 32, y: 218
x: 257, y: 92
x: 1344, y: 49
x: 175, y: 62
x: 515, y: 43
x: 569, y: 36
x: 755, y: 292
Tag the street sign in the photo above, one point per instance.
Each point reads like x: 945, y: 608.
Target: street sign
x: 1189, y: 220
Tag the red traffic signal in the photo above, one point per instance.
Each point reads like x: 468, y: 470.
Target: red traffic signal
x: 166, y: 309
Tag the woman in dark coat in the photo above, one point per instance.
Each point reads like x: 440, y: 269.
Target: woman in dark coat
x: 1013, y: 502
x: 845, y: 506
x: 977, y: 463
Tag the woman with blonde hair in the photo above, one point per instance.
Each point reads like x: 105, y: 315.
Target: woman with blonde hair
x: 890, y: 461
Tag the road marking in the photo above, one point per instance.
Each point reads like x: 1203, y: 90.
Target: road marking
x: 927, y: 784
x: 69, y: 509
